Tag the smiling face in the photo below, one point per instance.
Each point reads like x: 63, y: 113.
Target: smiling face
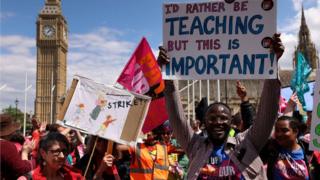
x: 284, y: 134
x: 218, y: 121
x: 55, y: 156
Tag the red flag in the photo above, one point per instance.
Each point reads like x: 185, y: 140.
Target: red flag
x: 142, y: 75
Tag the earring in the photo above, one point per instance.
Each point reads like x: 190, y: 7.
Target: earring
x: 44, y: 163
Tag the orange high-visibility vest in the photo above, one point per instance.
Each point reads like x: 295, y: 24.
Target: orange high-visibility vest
x: 144, y: 167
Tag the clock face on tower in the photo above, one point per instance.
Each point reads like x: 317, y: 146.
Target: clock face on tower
x: 48, y: 31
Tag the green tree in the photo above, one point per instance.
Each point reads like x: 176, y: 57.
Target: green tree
x: 18, y: 115
x: 15, y: 113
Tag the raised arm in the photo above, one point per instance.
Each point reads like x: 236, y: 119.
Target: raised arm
x: 268, y: 107
x: 267, y: 113
x: 247, y: 110
x: 293, y: 101
x: 177, y: 118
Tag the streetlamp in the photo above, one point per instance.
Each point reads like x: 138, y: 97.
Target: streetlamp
x: 16, y: 102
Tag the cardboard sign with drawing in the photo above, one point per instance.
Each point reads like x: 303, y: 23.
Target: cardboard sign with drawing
x: 105, y: 111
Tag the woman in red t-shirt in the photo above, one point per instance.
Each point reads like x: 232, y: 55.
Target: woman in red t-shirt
x: 53, y: 151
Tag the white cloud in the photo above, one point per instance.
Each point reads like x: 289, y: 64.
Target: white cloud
x: 298, y: 3
x: 17, y: 58
x: 6, y: 15
x: 17, y: 44
x: 99, y: 55
x: 289, y: 41
x: 291, y: 29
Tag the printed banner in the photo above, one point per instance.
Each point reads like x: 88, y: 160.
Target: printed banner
x: 220, y: 40
x: 315, y: 124
x: 142, y: 75
x: 107, y: 112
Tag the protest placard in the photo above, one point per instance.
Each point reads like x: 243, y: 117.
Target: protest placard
x: 219, y: 40
x: 105, y: 111
x: 315, y: 124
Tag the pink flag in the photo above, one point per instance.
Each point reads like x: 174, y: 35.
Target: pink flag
x: 142, y: 75
x: 282, y: 104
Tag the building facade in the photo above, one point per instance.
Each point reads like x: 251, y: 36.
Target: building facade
x: 52, y: 48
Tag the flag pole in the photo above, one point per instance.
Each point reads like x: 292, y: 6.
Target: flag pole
x: 25, y: 105
x: 51, y: 104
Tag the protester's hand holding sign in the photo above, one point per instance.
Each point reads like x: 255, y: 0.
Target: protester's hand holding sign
x: 163, y: 56
x: 108, y: 159
x: 277, y: 46
x: 105, y: 166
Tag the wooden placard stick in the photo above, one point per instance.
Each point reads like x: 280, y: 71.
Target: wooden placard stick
x: 110, y: 147
x: 68, y: 99
x: 91, y: 155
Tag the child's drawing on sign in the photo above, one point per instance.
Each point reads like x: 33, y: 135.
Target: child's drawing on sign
x: 78, y: 114
x: 105, y: 125
x: 80, y: 108
x: 100, y: 103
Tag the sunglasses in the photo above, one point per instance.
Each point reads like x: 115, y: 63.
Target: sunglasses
x: 56, y: 152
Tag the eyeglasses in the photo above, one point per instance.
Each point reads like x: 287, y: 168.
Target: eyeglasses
x: 56, y: 152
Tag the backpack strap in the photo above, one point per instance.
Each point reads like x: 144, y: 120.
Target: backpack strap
x: 273, y: 156
x: 304, y: 154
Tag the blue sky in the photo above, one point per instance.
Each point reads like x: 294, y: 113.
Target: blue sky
x: 102, y: 36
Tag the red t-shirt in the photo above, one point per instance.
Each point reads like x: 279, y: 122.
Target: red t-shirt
x: 67, y: 172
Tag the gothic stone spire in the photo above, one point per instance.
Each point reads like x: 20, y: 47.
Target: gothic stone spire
x: 306, y: 46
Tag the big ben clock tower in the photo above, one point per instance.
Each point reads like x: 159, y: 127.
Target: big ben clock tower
x: 52, y: 48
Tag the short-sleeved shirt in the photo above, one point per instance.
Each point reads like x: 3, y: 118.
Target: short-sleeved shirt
x: 219, y: 166
x: 290, y: 165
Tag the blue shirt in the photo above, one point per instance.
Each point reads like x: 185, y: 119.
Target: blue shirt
x: 220, y: 166
x: 291, y: 165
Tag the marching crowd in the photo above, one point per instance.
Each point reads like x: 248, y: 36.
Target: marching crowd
x: 256, y: 143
